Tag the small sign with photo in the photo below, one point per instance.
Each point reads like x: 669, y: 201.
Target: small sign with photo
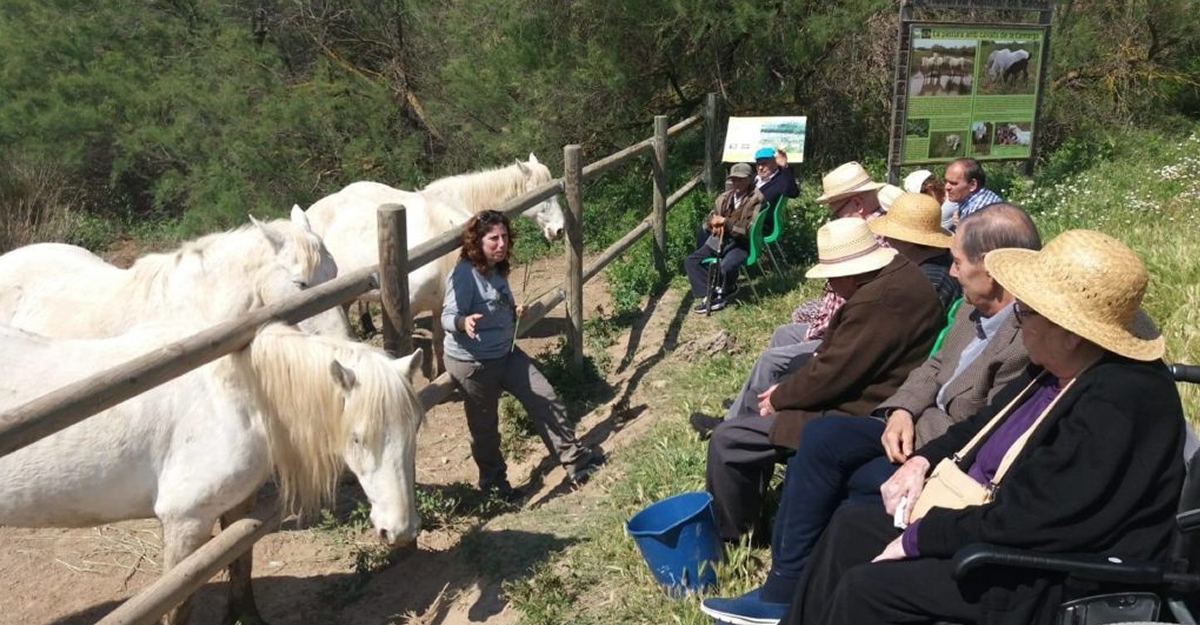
x: 745, y: 135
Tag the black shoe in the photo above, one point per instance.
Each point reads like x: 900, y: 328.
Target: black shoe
x: 728, y: 295
x: 704, y: 424
x: 717, y: 304
x: 582, y: 471
x: 504, y: 491
x: 701, y: 307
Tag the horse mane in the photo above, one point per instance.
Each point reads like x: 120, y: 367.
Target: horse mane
x: 486, y: 189
x: 308, y: 416
x: 245, y: 247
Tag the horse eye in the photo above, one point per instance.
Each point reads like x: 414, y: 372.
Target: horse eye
x: 300, y: 283
x: 356, y: 439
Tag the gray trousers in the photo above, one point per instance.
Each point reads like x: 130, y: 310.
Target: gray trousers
x: 482, y: 383
x: 741, y: 461
x: 786, y: 352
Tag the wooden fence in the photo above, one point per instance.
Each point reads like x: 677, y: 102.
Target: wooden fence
x: 59, y: 409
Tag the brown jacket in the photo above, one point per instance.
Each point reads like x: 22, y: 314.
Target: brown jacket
x: 739, y: 218
x: 1000, y: 362
x: 874, y: 340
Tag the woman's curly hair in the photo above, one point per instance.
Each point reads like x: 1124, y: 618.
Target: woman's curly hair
x: 472, y: 241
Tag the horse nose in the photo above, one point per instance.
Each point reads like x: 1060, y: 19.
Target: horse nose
x: 558, y: 233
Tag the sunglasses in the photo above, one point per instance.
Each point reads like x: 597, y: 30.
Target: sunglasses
x: 1022, y: 311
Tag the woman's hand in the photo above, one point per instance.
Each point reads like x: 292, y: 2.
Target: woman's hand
x: 907, y: 481
x: 468, y: 324
x: 898, y: 436
x: 893, y: 551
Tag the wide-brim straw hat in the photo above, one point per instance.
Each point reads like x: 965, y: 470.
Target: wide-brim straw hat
x: 913, y: 181
x: 1088, y: 283
x: 846, y: 247
x: 888, y: 194
x: 847, y: 179
x: 914, y: 217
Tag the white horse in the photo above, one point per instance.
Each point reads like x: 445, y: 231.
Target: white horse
x: 198, y: 447
x: 62, y: 290
x: 348, y: 224
x: 999, y: 61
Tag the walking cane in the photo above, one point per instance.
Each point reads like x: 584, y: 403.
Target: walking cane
x: 714, y: 272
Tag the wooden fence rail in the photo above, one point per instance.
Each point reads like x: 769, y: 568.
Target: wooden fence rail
x: 49, y: 413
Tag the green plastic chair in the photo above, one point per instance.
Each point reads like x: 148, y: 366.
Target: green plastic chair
x: 937, y: 344
x: 778, y: 213
x: 756, y: 246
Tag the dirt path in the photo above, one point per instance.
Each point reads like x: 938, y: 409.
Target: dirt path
x: 307, y: 576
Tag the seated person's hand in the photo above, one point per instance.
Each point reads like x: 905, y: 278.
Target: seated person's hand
x: 765, y: 408
x: 716, y: 222
x: 907, y: 481
x: 781, y: 158
x: 898, y: 435
x: 894, y: 551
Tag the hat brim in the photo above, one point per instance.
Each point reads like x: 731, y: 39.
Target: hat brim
x: 831, y: 197
x: 886, y: 227
x: 916, y: 181
x: 877, y: 259
x: 1016, y: 270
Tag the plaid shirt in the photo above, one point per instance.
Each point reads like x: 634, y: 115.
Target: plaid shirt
x: 830, y: 303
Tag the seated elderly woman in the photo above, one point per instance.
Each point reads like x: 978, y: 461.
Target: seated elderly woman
x: 1082, y: 454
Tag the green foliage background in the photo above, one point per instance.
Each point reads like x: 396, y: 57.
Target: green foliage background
x: 189, y: 114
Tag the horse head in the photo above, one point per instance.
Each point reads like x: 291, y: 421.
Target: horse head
x: 298, y: 248
x: 384, y: 415
x: 548, y: 214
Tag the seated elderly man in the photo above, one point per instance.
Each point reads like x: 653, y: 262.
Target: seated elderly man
x: 728, y: 226
x: 842, y: 458
x: 1081, y: 454
x: 883, y: 331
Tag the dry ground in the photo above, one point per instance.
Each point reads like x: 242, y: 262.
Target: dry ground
x: 305, y: 576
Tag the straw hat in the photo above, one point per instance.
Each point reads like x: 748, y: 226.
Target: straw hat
x: 847, y: 179
x: 846, y: 247
x: 1088, y: 283
x: 888, y: 194
x: 913, y: 181
x: 914, y: 217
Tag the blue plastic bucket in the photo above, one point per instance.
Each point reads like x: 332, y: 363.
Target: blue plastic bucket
x: 678, y: 538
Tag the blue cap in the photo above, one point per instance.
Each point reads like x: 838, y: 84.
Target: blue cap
x: 767, y: 152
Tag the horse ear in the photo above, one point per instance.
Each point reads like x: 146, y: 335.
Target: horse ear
x: 300, y: 218
x: 410, y: 364
x: 532, y: 159
x: 273, y: 237
x: 344, y: 376
x: 523, y: 167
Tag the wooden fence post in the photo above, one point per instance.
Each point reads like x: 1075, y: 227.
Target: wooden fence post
x: 658, y: 219
x: 393, y: 280
x: 710, y: 143
x: 573, y: 177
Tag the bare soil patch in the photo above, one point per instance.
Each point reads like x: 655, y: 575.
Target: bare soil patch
x: 303, y: 576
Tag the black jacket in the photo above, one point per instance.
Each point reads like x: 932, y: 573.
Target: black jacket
x: 1101, y: 474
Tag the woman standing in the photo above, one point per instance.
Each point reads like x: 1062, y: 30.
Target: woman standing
x: 480, y: 316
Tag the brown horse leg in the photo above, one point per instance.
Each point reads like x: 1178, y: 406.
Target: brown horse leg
x: 180, y: 538
x: 242, y: 608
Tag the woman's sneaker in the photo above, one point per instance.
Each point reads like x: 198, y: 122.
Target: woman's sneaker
x: 579, y: 473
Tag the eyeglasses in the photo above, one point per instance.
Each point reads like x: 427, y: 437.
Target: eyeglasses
x: 1022, y: 311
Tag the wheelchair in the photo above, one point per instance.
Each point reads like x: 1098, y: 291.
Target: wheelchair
x: 1133, y: 592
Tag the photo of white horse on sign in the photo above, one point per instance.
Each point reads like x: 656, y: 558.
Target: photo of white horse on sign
x: 197, y: 448
x: 1010, y: 67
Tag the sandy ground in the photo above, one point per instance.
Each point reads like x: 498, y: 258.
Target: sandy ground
x: 307, y: 576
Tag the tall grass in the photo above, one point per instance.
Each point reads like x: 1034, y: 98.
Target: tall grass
x: 1141, y: 188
